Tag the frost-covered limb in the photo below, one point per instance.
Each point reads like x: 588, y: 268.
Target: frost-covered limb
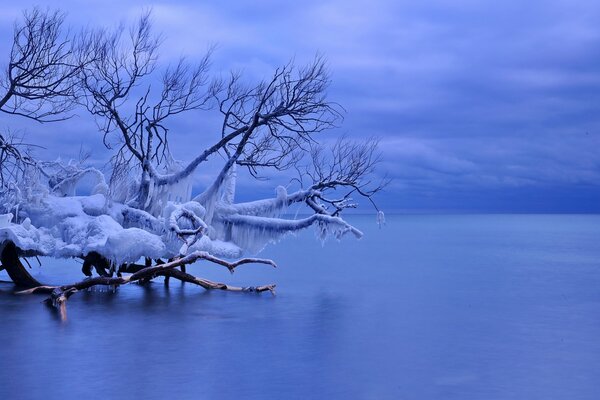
x: 253, y: 233
x: 318, y: 208
x: 172, y: 178
x: 66, y: 185
x: 266, y: 207
x: 134, y: 217
x: 339, y: 204
x: 198, y: 226
x: 252, y: 225
x: 284, y: 225
x: 186, y: 224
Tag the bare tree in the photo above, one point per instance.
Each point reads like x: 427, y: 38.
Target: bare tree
x: 112, y: 80
x: 268, y: 125
x: 272, y: 125
x: 39, y: 81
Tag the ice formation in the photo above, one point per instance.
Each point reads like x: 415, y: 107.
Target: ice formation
x: 45, y: 217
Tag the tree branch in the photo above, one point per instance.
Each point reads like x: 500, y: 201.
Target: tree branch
x: 60, y: 294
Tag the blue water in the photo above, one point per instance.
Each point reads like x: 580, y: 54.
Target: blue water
x: 429, y: 307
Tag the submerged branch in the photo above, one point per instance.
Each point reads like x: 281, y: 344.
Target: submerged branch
x: 60, y: 294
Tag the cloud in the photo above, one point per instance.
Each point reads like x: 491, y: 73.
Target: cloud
x: 469, y: 97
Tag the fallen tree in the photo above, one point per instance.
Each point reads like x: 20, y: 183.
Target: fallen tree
x: 144, y: 209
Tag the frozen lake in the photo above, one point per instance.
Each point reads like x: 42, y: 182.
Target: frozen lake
x: 429, y: 307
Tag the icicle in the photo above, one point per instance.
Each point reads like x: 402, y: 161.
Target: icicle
x: 380, y: 218
x: 150, y: 193
x: 228, y: 187
x: 26, y: 223
x: 5, y: 220
x: 252, y: 233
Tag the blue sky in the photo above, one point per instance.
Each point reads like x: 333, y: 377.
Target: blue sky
x: 480, y: 106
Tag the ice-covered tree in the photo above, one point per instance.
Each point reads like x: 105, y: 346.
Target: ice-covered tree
x: 145, y: 209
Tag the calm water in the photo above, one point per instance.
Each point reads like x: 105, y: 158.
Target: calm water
x: 429, y: 307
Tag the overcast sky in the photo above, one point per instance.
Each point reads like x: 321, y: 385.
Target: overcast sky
x: 480, y: 105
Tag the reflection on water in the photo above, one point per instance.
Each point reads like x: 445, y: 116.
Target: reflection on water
x: 453, y: 307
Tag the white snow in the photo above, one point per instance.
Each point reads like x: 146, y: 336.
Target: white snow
x: 5, y: 220
x: 54, y: 222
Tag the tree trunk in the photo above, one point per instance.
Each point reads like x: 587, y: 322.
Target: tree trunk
x: 16, y: 270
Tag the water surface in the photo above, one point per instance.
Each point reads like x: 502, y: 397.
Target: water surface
x: 429, y: 307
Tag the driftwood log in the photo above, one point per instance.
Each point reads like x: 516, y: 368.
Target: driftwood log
x: 125, y: 274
